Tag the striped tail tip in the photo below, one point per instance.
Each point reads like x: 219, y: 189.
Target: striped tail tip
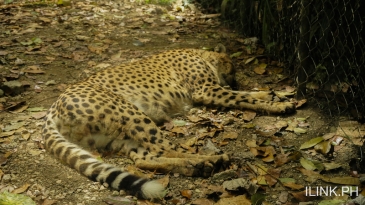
x: 153, y: 190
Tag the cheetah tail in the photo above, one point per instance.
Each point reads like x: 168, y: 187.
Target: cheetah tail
x: 95, y: 170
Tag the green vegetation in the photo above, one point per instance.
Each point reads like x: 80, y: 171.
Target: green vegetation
x: 164, y: 2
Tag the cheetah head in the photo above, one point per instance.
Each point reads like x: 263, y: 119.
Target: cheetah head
x: 222, y: 65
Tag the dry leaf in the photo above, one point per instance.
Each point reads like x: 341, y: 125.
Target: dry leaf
x: 293, y: 185
x: 194, y: 118
x: 249, y: 60
x: 260, y: 69
x: 238, y: 200
x: 323, y: 147
x: 303, y: 196
x: 251, y: 143
x: 230, y: 135
x: 248, y: 115
x: 4, y: 157
x: 49, y: 202
x: 21, y: 189
x: 186, y: 193
x: 38, y: 115
x: 281, y: 159
x: 311, y: 143
x: 280, y: 124
x: 164, y: 181
x: 6, y: 134
x: 207, y: 134
x: 331, y: 165
x: 311, y: 164
x: 1, y: 174
x: 202, y: 202
x: 271, y: 181
x: 135, y: 171
x: 25, y: 134
x: 342, y: 180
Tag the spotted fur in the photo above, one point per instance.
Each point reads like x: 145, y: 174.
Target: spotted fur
x: 116, y: 111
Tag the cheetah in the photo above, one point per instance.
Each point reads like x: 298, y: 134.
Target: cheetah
x: 117, y: 111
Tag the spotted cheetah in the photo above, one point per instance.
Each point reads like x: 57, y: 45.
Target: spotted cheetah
x: 116, y: 111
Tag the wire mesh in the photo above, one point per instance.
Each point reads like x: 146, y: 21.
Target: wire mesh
x: 319, y: 41
x: 322, y: 42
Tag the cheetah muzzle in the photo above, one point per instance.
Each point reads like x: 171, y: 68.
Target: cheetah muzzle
x: 117, y: 110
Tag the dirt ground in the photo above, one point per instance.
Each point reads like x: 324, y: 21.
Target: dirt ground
x: 45, y: 47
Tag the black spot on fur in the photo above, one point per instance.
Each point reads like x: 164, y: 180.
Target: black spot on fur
x: 153, y: 131
x: 153, y: 140
x: 139, y: 128
x: 85, y: 105
x: 89, y: 111
x: 147, y: 121
x: 69, y: 107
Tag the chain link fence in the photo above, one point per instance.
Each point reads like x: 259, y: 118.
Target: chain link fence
x: 320, y: 43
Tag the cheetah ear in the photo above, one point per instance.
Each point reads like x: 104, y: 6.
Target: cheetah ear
x: 220, y: 48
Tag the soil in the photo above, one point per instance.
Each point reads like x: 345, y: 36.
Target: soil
x: 46, y: 47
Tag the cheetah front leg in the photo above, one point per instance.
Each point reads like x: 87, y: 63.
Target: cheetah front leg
x: 258, y: 101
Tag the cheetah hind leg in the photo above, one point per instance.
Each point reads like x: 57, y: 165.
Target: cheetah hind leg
x: 178, y: 162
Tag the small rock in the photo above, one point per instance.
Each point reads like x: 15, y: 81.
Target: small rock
x: 6, y: 178
x: 283, y: 197
x: 122, y: 193
x: 82, y: 38
x: 1, y: 93
x: 138, y: 43
x: 19, y: 61
x: 51, y: 82
x: 228, y: 174
x: 192, y: 7
x: 93, y: 187
x: 191, y: 186
x: 228, y: 120
x: 13, y: 87
x: 235, y: 184
x: 36, y: 192
x: 209, y: 148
